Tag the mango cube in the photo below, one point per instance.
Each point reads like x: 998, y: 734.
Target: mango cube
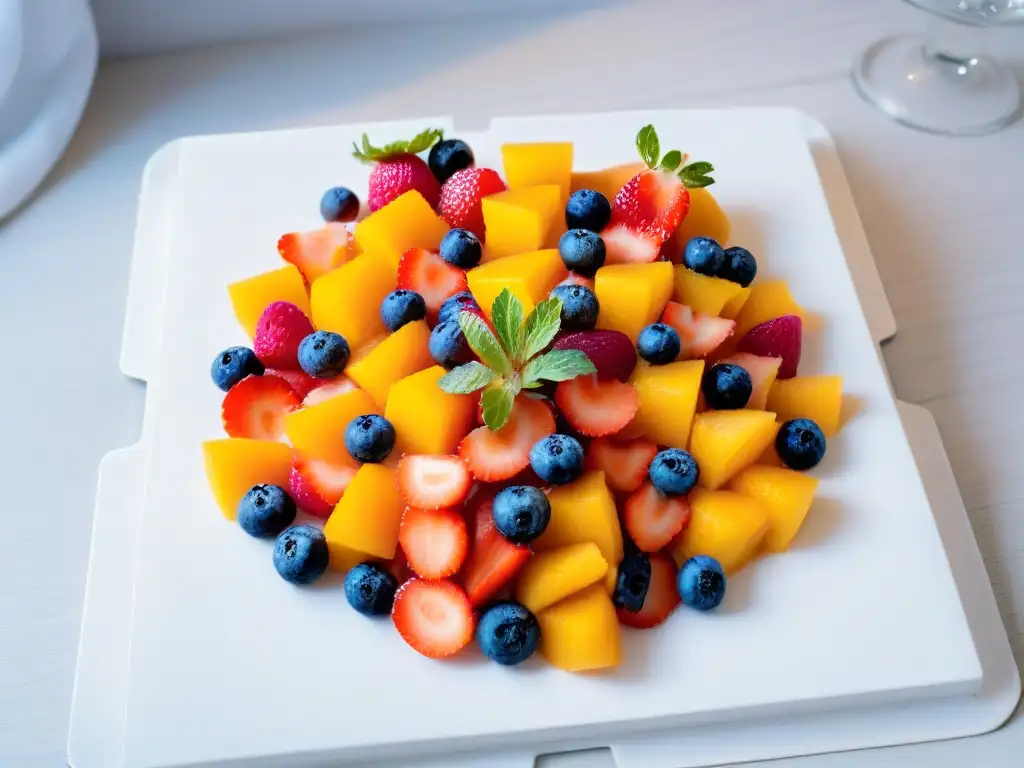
x: 530, y: 277
x: 519, y: 220
x: 402, y: 353
x: 608, y: 181
x: 318, y: 431
x: 735, y: 304
x: 347, y: 300
x: 531, y: 165
x: 582, y: 632
x: 406, y: 222
x: 819, y: 398
x: 705, y: 218
x: 725, y: 525
x: 582, y: 511
x: 724, y: 442
x: 668, y: 400
x: 427, y: 419
x: 368, y: 516
x: 553, y: 575
x: 707, y: 295
x: 236, y: 464
x: 632, y: 295
x: 766, y: 301
x: 251, y: 296
x: 785, y: 494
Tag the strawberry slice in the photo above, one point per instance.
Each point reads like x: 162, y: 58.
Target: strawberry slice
x: 432, y: 482
x: 433, y: 617
x: 763, y: 372
x: 317, y: 252
x: 300, y: 381
x: 256, y: 406
x: 434, y: 541
x: 699, y: 334
x: 653, y: 519
x: 781, y: 337
x: 662, y: 596
x: 574, y: 279
x: 494, y: 455
x: 323, y: 392
x: 611, y: 352
x: 624, y: 463
x: 655, y: 202
x: 596, y: 408
x: 431, y: 277
x: 672, y: 249
x: 626, y: 245
x: 493, y: 561
x: 318, y: 485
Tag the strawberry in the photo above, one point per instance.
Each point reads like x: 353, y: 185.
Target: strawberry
x: 781, y: 337
x: 433, y: 617
x: 318, y: 252
x: 653, y: 519
x: 434, y: 541
x: 398, y: 170
x: 611, y: 352
x: 574, y: 279
x: 432, y: 482
x: 318, y: 485
x: 324, y: 391
x: 662, y: 596
x: 627, y: 245
x: 763, y: 372
x: 300, y: 381
x: 461, y: 195
x: 624, y: 463
x: 699, y: 334
x: 493, y: 561
x: 494, y: 455
x: 399, y: 567
x: 279, y: 331
x: 256, y: 406
x: 672, y: 249
x: 597, y: 408
x: 431, y: 277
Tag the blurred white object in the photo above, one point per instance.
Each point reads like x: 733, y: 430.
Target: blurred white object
x: 48, y: 55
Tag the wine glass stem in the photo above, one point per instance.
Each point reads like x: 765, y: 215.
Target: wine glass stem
x: 953, y: 47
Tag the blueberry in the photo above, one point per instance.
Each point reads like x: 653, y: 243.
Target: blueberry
x: 557, y: 459
x: 701, y: 583
x: 448, y: 345
x: 633, y: 580
x: 301, y: 555
x: 658, y: 344
x: 461, y: 248
x: 369, y: 438
x: 740, y: 266
x: 323, y: 354
x: 579, y: 307
x: 265, y: 511
x: 401, y: 307
x: 582, y: 251
x: 800, y: 444
x: 673, y: 472
x: 453, y: 305
x: 370, y: 589
x: 508, y: 633
x: 521, y: 513
x: 448, y: 156
x: 339, y: 204
x: 587, y: 209
x: 704, y: 255
x: 234, y: 364
x: 726, y: 387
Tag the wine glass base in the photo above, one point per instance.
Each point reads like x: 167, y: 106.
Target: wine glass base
x: 936, y: 93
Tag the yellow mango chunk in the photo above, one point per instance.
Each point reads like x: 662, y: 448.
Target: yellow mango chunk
x: 708, y: 295
x: 725, y: 525
x: 251, y: 296
x: 769, y: 456
x: 406, y: 222
x: 705, y: 218
x: 553, y: 575
x: 236, y: 464
x: 724, y: 442
x: 735, y: 304
x: 608, y: 181
x: 787, y: 495
x: 318, y: 431
x: 427, y: 419
x: 582, y: 511
x: 402, y: 353
x: 344, y: 559
x: 819, y: 398
x: 766, y: 301
x: 519, y: 220
x: 582, y: 632
x: 611, y: 580
x: 632, y: 295
x: 668, y: 400
x: 347, y: 300
x: 531, y: 165
x: 530, y: 277
x: 369, y: 514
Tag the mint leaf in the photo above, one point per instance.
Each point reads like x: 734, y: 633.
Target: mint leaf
x: 541, y: 326
x: 695, y: 175
x: 507, y: 316
x: 482, y: 341
x: 671, y: 160
x: 648, y: 146
x: 467, y: 378
x: 496, y: 404
x: 557, y: 365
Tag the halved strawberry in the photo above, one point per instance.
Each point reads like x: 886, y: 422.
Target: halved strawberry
x: 662, y: 595
x: 626, y: 245
x: 256, y: 406
x: 431, y: 277
x: 432, y: 482
x: 781, y: 337
x: 654, y: 201
x: 317, y: 252
x: 300, y: 381
x: 460, y: 203
x: 493, y: 560
x: 624, y: 463
x: 494, y: 455
x: 325, y: 391
x: 763, y: 372
x: 611, y: 352
x: 434, y: 541
x: 672, y: 249
x: 699, y: 334
x: 318, y: 485
x: 433, y: 617
x: 654, y: 519
x: 574, y: 279
x: 399, y: 567
x: 597, y: 408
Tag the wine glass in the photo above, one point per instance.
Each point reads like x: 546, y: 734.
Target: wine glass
x: 940, y: 83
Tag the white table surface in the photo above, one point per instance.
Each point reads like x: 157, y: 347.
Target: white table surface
x: 943, y: 217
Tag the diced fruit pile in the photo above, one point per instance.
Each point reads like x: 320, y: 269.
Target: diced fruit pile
x: 527, y: 408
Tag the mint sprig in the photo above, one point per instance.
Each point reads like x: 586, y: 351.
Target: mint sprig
x: 421, y: 142
x: 693, y: 176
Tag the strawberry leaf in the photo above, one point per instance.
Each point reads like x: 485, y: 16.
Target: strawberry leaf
x: 483, y: 342
x: 541, y: 326
x: 424, y: 141
x: 695, y: 175
x: 648, y: 146
x: 671, y: 160
x: 420, y: 143
x: 557, y: 365
x: 507, y: 316
x: 496, y: 404
x: 467, y: 378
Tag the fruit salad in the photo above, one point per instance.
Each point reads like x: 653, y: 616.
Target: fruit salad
x: 525, y: 407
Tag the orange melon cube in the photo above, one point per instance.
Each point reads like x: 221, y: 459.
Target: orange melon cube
x: 318, y: 431
x: 725, y: 525
x: 519, y: 220
x: 251, y: 296
x: 236, y: 464
x: 347, y: 300
x: 406, y: 222
x: 632, y: 295
x: 608, y: 181
x: 396, y: 356
x: 581, y: 633
x: 530, y: 277
x: 724, y: 442
x: 766, y: 301
x: 554, y: 575
x: 786, y: 494
x: 583, y: 510
x: 428, y: 420
x: 532, y: 165
x: 819, y: 398
x: 705, y: 219
x: 668, y: 400
x: 707, y: 295
x: 368, y: 516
